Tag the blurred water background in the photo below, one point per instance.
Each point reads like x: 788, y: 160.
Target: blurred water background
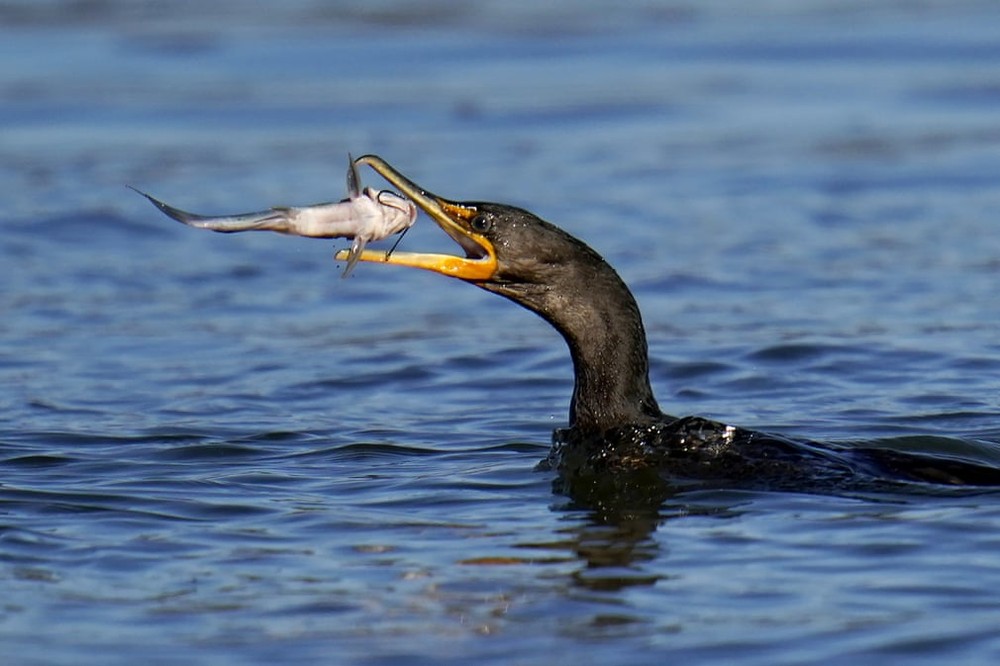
x: 214, y: 450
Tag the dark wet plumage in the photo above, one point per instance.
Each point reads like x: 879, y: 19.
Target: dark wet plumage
x: 615, y: 424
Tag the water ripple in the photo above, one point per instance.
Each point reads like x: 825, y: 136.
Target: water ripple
x: 212, y: 449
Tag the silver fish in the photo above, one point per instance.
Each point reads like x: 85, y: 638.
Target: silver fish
x: 365, y: 215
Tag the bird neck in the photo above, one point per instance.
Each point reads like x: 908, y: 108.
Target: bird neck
x: 597, y: 315
x: 607, y: 342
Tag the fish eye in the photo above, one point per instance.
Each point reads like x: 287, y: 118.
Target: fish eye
x: 480, y: 223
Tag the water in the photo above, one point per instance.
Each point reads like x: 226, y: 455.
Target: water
x: 213, y: 450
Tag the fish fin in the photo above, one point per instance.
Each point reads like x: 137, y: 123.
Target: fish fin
x: 353, y: 180
x: 169, y: 211
x: 357, y: 247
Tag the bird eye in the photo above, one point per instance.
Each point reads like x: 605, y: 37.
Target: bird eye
x: 480, y: 223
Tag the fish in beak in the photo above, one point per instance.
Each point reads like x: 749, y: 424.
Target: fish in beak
x: 455, y: 218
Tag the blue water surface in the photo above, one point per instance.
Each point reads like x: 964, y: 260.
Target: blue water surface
x: 214, y: 450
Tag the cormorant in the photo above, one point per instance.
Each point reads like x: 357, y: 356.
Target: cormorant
x: 615, y: 424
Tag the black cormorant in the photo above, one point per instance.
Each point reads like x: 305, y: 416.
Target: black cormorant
x: 615, y: 424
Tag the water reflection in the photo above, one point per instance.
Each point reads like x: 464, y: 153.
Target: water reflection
x: 619, y: 515
x: 613, y: 555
